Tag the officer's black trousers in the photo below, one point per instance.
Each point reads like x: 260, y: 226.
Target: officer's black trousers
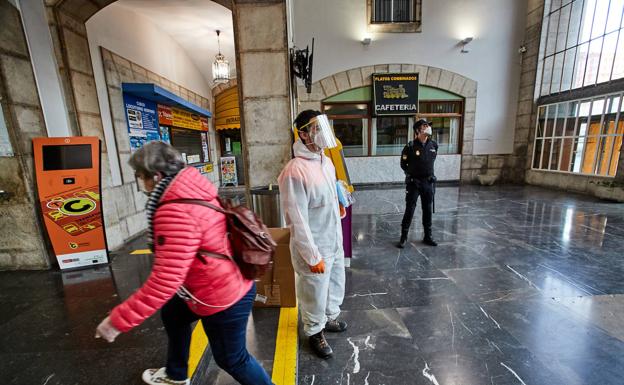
x: 424, y: 189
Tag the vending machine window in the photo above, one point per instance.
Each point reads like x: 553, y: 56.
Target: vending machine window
x: 189, y: 143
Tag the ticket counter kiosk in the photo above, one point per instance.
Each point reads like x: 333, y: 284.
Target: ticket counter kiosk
x: 68, y: 184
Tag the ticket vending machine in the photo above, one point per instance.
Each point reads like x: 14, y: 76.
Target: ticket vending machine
x: 68, y: 177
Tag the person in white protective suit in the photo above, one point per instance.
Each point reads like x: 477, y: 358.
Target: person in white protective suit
x: 310, y: 202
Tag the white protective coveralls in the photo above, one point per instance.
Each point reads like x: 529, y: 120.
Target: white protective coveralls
x: 310, y: 202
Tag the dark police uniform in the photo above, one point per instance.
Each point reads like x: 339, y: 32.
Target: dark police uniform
x: 417, y: 161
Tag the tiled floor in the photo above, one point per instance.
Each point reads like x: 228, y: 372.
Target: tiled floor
x: 526, y: 287
x: 48, y: 320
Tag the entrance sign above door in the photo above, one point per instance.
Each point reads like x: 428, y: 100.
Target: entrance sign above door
x: 395, y: 94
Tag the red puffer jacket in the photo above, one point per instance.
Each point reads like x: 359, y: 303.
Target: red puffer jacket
x: 180, y: 230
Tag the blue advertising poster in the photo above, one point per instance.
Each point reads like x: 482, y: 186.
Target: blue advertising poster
x: 164, y: 134
x: 142, y: 120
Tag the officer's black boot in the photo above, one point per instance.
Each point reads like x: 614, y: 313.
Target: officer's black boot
x: 428, y: 240
x: 319, y: 344
x: 403, y: 239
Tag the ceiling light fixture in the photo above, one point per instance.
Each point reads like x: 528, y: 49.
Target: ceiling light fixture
x: 220, y: 67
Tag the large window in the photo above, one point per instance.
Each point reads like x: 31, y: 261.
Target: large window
x: 350, y: 122
x: 582, y: 44
x: 192, y: 144
x: 364, y: 135
x: 446, y: 119
x: 580, y: 136
x: 394, y: 15
x: 394, y: 11
x: 390, y: 134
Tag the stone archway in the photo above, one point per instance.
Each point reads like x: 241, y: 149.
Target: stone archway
x: 261, y: 49
x: 429, y: 76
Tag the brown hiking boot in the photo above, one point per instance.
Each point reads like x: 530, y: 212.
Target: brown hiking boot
x: 319, y: 344
x: 335, y: 326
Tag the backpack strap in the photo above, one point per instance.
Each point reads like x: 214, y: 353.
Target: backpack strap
x: 201, y: 253
x: 199, y: 202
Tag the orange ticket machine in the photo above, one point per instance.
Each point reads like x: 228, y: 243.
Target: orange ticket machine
x: 68, y: 183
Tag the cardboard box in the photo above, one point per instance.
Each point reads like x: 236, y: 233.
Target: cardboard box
x: 276, y: 288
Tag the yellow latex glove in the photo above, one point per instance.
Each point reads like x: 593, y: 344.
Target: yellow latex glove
x: 318, y: 268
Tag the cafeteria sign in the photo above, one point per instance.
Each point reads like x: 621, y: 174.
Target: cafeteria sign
x: 395, y: 94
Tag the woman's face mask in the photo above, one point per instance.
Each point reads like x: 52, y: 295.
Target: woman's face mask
x: 428, y: 130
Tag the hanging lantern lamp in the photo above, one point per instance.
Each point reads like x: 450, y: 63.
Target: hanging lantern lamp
x: 220, y: 67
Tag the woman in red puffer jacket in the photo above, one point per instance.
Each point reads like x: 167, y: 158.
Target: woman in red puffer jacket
x: 185, y: 286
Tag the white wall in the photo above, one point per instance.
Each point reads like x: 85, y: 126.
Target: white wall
x: 493, y: 61
x: 139, y: 40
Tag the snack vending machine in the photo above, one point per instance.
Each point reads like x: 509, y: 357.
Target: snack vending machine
x: 68, y: 175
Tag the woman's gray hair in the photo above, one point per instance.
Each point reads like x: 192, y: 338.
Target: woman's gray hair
x: 156, y: 157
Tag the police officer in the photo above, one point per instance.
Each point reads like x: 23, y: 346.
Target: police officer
x: 417, y: 161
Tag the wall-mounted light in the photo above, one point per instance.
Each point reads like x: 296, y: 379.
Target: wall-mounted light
x: 522, y: 49
x: 366, y: 41
x: 464, y: 43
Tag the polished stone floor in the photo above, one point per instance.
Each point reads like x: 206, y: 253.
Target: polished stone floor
x: 48, y: 320
x: 525, y: 287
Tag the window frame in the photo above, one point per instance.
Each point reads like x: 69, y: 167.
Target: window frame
x: 369, y: 116
x: 459, y: 115
x: 599, y: 138
x: 199, y: 134
x: 401, y: 27
x: 547, y: 70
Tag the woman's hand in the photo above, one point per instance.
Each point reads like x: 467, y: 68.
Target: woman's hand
x: 106, y: 330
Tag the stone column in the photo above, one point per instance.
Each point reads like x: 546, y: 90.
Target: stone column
x: 520, y: 161
x: 263, y: 84
x: 22, y: 243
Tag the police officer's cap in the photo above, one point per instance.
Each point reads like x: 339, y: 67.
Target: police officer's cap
x: 421, y: 122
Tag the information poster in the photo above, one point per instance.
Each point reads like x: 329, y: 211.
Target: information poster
x: 205, y: 168
x: 395, y: 94
x: 142, y: 120
x: 165, y: 136
x: 206, y: 152
x: 228, y: 171
x: 171, y: 116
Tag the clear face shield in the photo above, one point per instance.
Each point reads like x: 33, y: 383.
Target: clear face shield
x: 321, y: 132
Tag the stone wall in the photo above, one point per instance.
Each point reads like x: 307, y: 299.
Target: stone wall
x: 22, y: 243
x: 125, y: 217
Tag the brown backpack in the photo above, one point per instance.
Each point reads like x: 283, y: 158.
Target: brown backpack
x: 252, y: 244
